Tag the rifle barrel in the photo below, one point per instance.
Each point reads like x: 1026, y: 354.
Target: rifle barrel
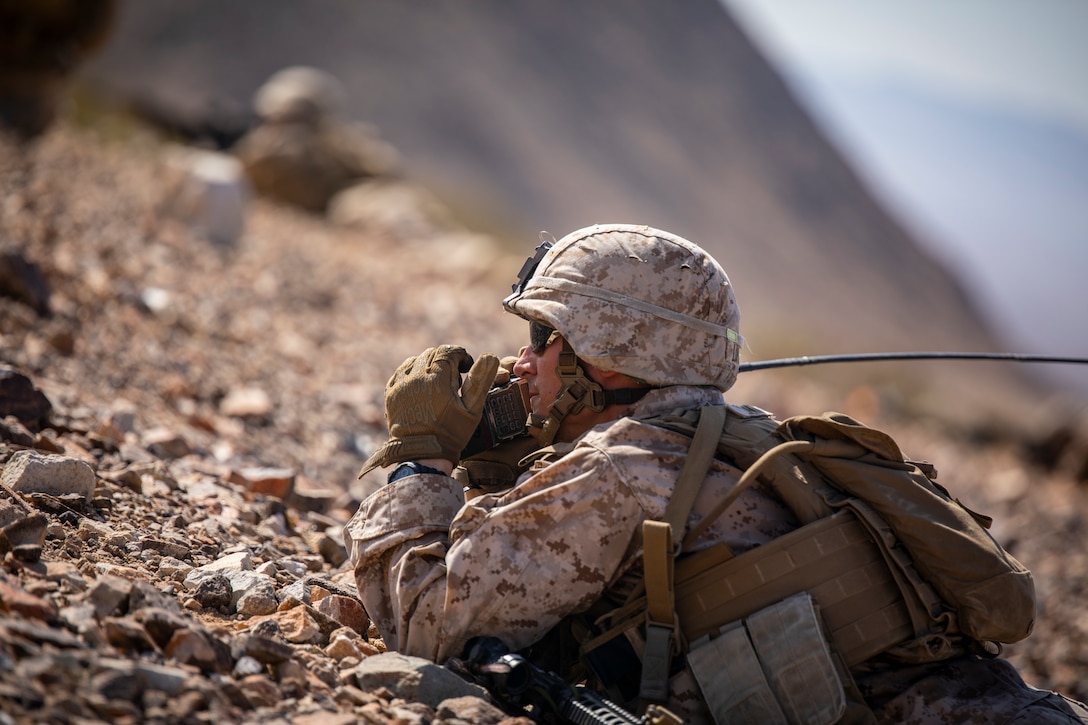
x: 882, y: 356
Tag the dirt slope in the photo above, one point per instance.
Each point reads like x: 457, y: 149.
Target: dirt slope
x: 151, y: 324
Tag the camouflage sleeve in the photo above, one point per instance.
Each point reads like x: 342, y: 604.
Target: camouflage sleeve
x: 434, y: 571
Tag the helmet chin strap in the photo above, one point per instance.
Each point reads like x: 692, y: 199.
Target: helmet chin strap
x: 577, y: 391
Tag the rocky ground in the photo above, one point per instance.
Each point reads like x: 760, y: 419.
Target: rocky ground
x: 187, y: 418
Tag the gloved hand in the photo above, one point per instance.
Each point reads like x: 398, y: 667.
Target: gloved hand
x: 430, y: 413
x: 496, y: 469
x: 506, y: 369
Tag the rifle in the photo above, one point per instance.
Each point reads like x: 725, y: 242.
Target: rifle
x: 525, y: 689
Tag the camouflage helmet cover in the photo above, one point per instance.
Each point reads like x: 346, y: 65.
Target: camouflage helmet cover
x: 639, y: 301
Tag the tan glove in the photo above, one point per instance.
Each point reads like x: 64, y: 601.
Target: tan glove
x: 506, y: 370
x: 430, y: 413
x: 496, y: 469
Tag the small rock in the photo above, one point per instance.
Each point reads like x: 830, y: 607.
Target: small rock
x: 332, y: 550
x: 19, y: 398
x: 344, y: 610
x: 208, y: 191
x: 22, y: 280
x: 27, y: 553
x: 168, y: 679
x: 274, y: 526
x: 115, y: 684
x: 256, y: 595
x: 295, y: 568
x: 470, y: 710
x: 268, y: 568
x: 223, y: 566
x: 66, y: 574
x: 260, y: 690
x: 166, y: 443
x: 108, y: 594
x: 246, y: 666
x: 81, y: 618
x: 55, y: 475
x: 126, y: 572
x: 214, y: 592
x: 278, y: 482
x: 26, y: 530
x: 291, y: 676
x: 127, y: 635
x: 146, y: 596
x: 161, y: 624
x: 266, y: 650
x: 413, y: 678
x: 192, y: 647
x: 11, y: 512
x: 173, y: 569
x: 248, y: 402
x: 341, y: 646
x: 299, y: 625
x: 14, y: 598
x: 13, y: 431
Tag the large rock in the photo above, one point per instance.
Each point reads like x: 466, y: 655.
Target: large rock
x: 413, y: 678
x: 302, y: 152
x: 209, y: 191
x: 33, y: 472
x: 22, y: 280
x: 19, y: 398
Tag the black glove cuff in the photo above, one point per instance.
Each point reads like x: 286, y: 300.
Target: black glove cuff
x: 411, y: 468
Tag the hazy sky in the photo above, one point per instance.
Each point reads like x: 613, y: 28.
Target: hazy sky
x: 1020, y: 52
x: 1008, y: 212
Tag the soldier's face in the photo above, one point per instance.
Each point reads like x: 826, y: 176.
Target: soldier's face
x: 537, y: 366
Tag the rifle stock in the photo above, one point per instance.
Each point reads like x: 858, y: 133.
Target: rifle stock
x: 544, y: 696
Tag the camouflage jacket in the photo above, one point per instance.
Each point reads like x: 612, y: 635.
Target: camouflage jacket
x: 434, y: 571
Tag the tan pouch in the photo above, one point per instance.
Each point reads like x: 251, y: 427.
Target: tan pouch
x: 773, y: 667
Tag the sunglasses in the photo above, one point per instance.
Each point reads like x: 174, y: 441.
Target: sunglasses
x: 541, y: 336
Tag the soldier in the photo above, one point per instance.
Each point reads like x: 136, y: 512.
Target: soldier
x: 629, y: 326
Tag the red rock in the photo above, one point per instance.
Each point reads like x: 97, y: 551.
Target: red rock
x: 344, y: 610
x: 14, y: 598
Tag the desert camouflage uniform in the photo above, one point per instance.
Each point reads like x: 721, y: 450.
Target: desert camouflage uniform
x: 434, y: 571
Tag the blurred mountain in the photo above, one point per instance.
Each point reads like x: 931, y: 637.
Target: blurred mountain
x: 528, y: 116
x: 986, y: 188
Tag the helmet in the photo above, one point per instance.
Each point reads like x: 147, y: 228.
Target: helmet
x: 636, y: 300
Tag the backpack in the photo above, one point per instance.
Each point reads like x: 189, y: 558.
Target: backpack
x: 897, y: 566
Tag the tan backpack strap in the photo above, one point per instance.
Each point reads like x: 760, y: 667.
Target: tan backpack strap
x: 657, y: 566
x: 746, y: 480
x: 658, y: 553
x: 703, y: 447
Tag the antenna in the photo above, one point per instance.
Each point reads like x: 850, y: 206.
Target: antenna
x: 882, y: 356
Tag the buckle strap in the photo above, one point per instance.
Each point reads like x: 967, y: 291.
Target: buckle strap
x: 663, y: 638
x: 657, y: 563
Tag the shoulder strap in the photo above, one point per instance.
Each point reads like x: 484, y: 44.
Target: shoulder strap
x: 658, y: 554
x: 692, y: 475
